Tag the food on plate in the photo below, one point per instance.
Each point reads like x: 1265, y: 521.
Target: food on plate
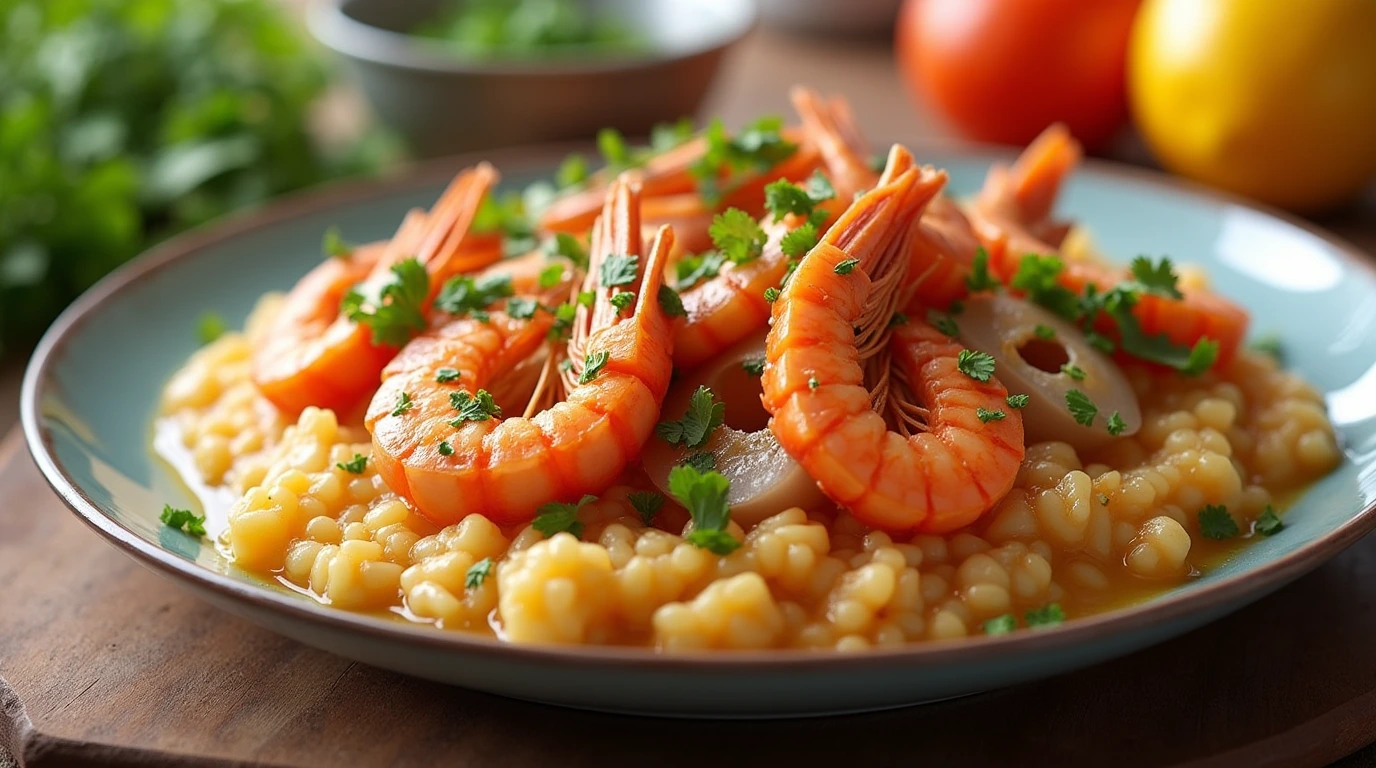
x: 867, y: 413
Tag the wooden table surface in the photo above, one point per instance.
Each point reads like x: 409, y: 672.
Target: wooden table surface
x: 1280, y: 678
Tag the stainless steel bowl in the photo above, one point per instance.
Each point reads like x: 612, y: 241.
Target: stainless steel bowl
x: 443, y: 102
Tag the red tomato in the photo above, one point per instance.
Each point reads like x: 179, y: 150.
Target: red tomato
x: 1002, y: 70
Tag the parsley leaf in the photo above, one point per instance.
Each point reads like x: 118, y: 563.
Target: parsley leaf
x: 356, y: 465
x: 1073, y: 371
x: 1269, y: 344
x: 701, y: 461
x: 1001, y: 625
x: 551, y: 275
x: 977, y: 365
x: 210, y: 327
x: 671, y: 302
x: 690, y: 269
x: 618, y: 269
x: 1215, y: 523
x: 783, y: 197
x: 813, y: 383
x: 846, y: 266
x: 182, y: 519
x: 572, y: 171
x: 703, y: 494
x: 737, y: 235
x: 446, y: 375
x: 666, y: 136
x: 1044, y: 332
x: 1047, y: 616
x: 759, y: 147
x: 704, y: 415
x: 445, y: 448
x: 1081, y: 407
x: 555, y: 517
x: 464, y: 294
x: 612, y: 145
x: 753, y: 366
x: 897, y: 319
x: 477, y: 573
x: 944, y: 323
x: 593, y: 363
x: 333, y: 244
x: 1158, y: 278
x: 1116, y: 425
x: 647, y: 503
x: 1037, y: 276
x: 522, y: 307
x: 987, y: 416
x: 979, y: 278
x: 771, y: 294
x: 622, y: 299
x: 797, y: 242
x: 819, y: 188
x: 404, y: 403
x: 1100, y: 342
x: 566, y: 245
x: 1017, y: 402
x: 1269, y: 523
x: 479, y: 407
x: 396, y: 312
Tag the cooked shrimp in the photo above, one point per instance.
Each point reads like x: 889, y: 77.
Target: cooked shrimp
x: 436, y: 444
x: 943, y: 476
x: 730, y: 306
x: 312, y: 354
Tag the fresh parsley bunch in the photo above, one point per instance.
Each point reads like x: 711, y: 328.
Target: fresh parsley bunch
x: 125, y: 121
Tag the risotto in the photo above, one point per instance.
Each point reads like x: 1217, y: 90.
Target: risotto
x: 985, y: 428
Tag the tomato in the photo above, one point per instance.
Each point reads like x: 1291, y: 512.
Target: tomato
x: 1003, y: 70
x: 1275, y: 100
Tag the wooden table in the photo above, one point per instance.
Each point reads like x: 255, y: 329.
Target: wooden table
x: 102, y: 650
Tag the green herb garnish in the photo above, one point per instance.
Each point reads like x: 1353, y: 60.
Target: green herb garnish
x: 478, y: 407
x: 477, y: 573
x: 1081, y: 407
x: 556, y: 517
x: 464, y: 294
x: 977, y: 365
x: 182, y: 519
x: 987, y: 416
x: 395, y: 312
x: 404, y: 403
x: 1017, y: 402
x: 1269, y: 523
x: 618, y: 269
x: 647, y: 503
x: 671, y: 302
x: 1215, y: 523
x: 704, y: 415
x: 356, y: 465
x: 1047, y: 616
x: 593, y: 363
x: 704, y: 494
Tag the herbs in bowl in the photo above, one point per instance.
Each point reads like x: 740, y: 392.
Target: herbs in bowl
x: 529, y: 29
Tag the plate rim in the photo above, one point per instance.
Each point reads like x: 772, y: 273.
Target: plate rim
x: 1125, y: 621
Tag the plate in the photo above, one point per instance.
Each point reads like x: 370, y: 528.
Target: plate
x: 92, y: 388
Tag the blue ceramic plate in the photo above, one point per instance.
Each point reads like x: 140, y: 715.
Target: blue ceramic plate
x: 93, y: 386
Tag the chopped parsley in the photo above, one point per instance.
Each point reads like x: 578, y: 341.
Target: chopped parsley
x: 987, y: 416
x: 846, y: 267
x: 691, y: 269
x: 1081, y: 407
x: 1269, y: 344
x: 813, y: 383
x: 210, y: 327
x: 1017, y: 402
x: 1116, y: 425
x: 753, y: 366
x: 703, y: 494
x: 182, y: 519
x: 944, y: 323
x: 1037, y: 277
x: 1044, y: 332
x: 1215, y: 523
x: 897, y: 319
x: 445, y: 448
x: 522, y: 307
x: 1157, y: 278
x: 819, y: 187
x: 758, y: 147
x: 446, y: 375
x: 404, y: 403
x: 1269, y: 523
x: 479, y: 407
x: 477, y: 573
x: 666, y: 136
x: 1100, y: 342
x: 783, y: 197
x: 647, y: 503
x: 614, y: 150
x: 701, y: 461
x: 671, y: 302
x: 1001, y: 625
x: 737, y: 235
x: 704, y: 415
x: 977, y: 365
x: 333, y: 244
x: 356, y: 465
x: 572, y: 171
x: 1047, y: 616
x: 551, y: 275
x: 771, y: 295
x: 1103, y: 499
x: 979, y: 278
x: 593, y: 363
x: 622, y: 299
x: 797, y: 242
x: 563, y: 321
x: 1073, y: 371
x: 464, y: 294
x: 396, y: 312
x: 618, y: 269
x: 556, y: 517
x: 565, y: 245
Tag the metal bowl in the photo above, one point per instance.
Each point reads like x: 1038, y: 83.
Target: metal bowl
x: 443, y: 102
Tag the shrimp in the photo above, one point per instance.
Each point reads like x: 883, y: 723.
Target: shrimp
x: 944, y: 475
x: 1013, y: 217
x: 443, y: 447
x: 312, y: 354
x: 731, y: 306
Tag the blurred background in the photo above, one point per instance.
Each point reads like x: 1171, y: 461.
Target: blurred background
x: 124, y: 122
